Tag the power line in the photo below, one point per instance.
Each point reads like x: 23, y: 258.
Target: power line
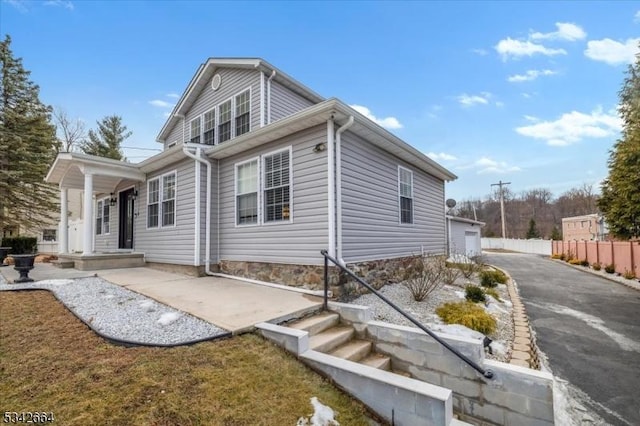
x: 501, y: 184
x: 141, y: 149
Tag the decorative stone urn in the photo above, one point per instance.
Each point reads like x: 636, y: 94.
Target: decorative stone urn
x: 23, y: 263
x: 3, y: 255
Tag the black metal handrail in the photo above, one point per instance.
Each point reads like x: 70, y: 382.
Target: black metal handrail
x: 485, y: 372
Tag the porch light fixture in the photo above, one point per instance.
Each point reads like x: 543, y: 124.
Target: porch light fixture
x: 320, y: 147
x: 112, y: 199
x: 134, y: 195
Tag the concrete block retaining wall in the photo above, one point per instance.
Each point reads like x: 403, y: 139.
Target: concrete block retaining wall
x: 514, y: 396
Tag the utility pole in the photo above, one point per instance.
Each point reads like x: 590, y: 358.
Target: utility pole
x: 501, y: 184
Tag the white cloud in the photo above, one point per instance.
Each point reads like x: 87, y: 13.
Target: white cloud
x: 510, y: 48
x: 486, y: 165
x: 471, y: 100
x: 526, y: 95
x: 636, y: 17
x: 160, y: 103
x: 574, y: 126
x: 530, y: 75
x: 480, y: 52
x: 566, y: 31
x: 60, y: 3
x: 441, y: 156
x: 387, y: 122
x: 613, y: 52
x: 173, y: 95
x: 499, y: 104
x: 20, y: 5
x: 531, y: 118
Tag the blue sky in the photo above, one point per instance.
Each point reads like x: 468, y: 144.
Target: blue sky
x: 524, y: 92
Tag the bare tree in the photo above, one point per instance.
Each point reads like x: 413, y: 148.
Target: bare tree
x: 70, y: 132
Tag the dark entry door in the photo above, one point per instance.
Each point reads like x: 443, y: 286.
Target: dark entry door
x: 127, y: 201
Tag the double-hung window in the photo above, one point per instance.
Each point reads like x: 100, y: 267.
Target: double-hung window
x: 242, y: 113
x: 169, y: 199
x: 194, y: 136
x: 224, y: 121
x: 209, y: 127
x: 277, y: 188
x: 247, y: 193
x: 153, y: 202
x: 405, y: 186
x: 102, y: 217
x: 161, y: 201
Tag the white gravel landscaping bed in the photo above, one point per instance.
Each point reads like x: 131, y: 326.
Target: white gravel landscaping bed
x: 425, y: 312
x: 123, y: 315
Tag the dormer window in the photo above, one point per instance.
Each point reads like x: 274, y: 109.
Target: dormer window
x: 224, y: 121
x: 242, y: 113
x: 195, y: 130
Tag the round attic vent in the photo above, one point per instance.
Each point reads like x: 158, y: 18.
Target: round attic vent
x: 451, y: 203
x: 215, y: 82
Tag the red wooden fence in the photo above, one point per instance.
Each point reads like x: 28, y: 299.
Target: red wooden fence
x: 625, y: 255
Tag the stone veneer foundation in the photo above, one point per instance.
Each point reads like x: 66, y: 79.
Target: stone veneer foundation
x: 375, y: 272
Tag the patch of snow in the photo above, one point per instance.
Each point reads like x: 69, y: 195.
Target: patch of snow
x: 146, y: 304
x: 108, y: 296
x: 494, y: 307
x: 460, y: 294
x: 168, y: 317
x: 323, y: 415
x: 456, y: 330
x: 55, y: 282
x: 499, y: 347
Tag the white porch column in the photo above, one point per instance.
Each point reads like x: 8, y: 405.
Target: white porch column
x: 87, y: 238
x: 63, y: 246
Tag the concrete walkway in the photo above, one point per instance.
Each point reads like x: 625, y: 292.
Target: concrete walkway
x: 227, y: 303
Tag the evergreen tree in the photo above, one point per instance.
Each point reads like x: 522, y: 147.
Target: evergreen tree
x: 532, y: 232
x: 27, y: 147
x: 106, y: 141
x: 556, y: 234
x: 620, y: 200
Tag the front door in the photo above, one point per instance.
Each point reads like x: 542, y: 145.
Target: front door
x: 126, y: 219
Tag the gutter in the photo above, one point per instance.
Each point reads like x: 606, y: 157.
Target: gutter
x: 197, y: 156
x: 339, y: 132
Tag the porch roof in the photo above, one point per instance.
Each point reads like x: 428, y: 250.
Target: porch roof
x: 69, y: 168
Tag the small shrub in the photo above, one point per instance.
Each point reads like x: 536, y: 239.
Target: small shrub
x: 610, y: 268
x: 473, y: 293
x: 20, y: 245
x: 629, y: 274
x: 574, y: 262
x: 584, y: 263
x: 493, y: 293
x: 557, y: 256
x: 563, y: 256
x: 423, y: 275
x: 596, y: 266
x: 450, y: 275
x: 467, y: 269
x: 491, y: 278
x: 467, y: 314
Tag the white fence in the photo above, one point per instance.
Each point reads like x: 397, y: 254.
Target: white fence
x: 523, y: 246
x: 75, y: 240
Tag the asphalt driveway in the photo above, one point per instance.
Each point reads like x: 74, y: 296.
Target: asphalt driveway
x: 588, y: 327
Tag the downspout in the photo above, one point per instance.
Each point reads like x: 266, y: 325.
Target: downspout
x: 198, y: 158
x: 331, y: 190
x: 339, y: 132
x: 273, y: 74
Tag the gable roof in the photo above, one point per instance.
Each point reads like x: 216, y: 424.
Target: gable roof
x: 206, y: 71
x: 340, y: 112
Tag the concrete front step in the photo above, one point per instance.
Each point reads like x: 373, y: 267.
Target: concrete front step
x: 330, y: 339
x: 63, y: 264
x: 377, y: 360
x: 317, y: 323
x: 354, y: 350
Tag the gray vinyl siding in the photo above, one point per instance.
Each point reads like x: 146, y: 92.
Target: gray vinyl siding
x: 172, y: 244
x: 284, y: 102
x: 370, y: 206
x: 203, y: 212
x: 298, y: 242
x: 176, y: 134
x: 234, y: 81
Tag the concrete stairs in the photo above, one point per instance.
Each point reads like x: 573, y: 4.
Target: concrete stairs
x: 328, y: 336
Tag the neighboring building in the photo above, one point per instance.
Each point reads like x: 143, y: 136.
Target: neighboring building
x: 590, y: 227
x: 464, y: 237
x: 258, y: 175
